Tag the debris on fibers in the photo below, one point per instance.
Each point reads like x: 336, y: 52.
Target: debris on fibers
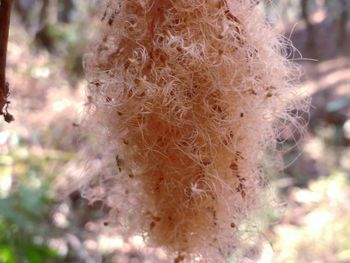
x: 184, y: 97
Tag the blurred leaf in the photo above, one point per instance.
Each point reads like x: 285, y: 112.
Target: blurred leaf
x: 8, y: 213
x: 38, y: 254
x: 7, y: 254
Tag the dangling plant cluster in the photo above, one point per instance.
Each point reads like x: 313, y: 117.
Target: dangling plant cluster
x: 184, y: 98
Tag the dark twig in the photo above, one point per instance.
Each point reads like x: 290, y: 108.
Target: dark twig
x: 5, y: 12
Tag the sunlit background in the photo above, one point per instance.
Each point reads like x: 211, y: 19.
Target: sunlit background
x: 41, y: 221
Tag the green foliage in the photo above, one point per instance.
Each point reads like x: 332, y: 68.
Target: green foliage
x: 26, y: 200
x: 24, y: 226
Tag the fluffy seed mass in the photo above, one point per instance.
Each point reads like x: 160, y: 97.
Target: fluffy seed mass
x: 184, y: 98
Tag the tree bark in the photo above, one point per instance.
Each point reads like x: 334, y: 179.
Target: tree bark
x: 342, y: 23
x: 67, y: 7
x: 5, y: 12
x: 309, y: 26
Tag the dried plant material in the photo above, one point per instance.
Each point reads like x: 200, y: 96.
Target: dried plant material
x: 184, y: 97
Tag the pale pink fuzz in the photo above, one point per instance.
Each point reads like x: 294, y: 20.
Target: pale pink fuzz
x: 185, y: 97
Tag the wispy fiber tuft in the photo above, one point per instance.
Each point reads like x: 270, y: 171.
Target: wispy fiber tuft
x: 184, y: 98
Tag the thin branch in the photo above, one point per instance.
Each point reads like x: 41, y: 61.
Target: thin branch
x: 5, y: 13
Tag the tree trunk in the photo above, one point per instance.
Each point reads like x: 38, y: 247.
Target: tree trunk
x: 342, y: 23
x: 66, y: 11
x: 309, y: 27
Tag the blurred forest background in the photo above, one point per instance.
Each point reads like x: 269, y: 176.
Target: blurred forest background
x: 40, y: 222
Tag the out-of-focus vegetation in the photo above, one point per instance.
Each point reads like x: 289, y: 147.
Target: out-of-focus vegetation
x: 25, y: 205
x: 40, y: 221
